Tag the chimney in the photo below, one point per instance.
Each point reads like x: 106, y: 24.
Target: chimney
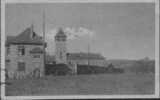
x: 32, y: 30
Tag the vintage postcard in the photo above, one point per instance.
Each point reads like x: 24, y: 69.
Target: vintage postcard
x: 79, y: 49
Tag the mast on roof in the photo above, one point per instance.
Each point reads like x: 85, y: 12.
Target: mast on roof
x: 88, y: 50
x: 31, y: 28
x: 44, y: 45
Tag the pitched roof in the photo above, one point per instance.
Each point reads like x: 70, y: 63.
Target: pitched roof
x: 9, y: 39
x: 84, y: 56
x: 26, y: 37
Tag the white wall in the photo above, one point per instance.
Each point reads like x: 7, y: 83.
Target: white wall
x: 61, y: 47
x: 27, y: 58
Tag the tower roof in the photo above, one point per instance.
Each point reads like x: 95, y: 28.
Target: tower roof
x: 60, y: 33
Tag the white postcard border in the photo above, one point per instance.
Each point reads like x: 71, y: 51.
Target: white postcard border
x: 156, y: 95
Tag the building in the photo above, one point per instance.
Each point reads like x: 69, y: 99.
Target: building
x: 82, y: 58
x: 74, y: 59
x: 61, y: 49
x: 25, y: 55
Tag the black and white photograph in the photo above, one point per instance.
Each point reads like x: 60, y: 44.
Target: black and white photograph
x: 95, y: 49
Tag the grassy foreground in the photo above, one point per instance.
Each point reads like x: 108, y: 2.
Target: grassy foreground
x: 106, y: 84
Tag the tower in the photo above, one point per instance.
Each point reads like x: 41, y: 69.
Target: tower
x: 60, y: 50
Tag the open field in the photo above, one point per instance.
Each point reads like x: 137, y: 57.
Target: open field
x: 105, y: 84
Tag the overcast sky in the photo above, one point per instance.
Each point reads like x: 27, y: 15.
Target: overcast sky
x: 116, y: 30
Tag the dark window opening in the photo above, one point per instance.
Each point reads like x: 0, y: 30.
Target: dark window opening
x: 36, y: 56
x: 8, y: 50
x: 61, y: 56
x: 21, y: 66
x: 21, y: 50
x: 7, y: 60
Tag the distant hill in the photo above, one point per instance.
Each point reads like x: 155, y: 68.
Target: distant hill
x: 143, y: 65
x: 121, y: 63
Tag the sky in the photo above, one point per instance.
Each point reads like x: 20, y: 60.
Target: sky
x: 115, y: 30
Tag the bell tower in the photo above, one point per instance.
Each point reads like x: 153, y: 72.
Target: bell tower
x: 60, y: 49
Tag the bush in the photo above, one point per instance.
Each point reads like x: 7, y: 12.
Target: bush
x: 88, y: 69
x: 56, y: 69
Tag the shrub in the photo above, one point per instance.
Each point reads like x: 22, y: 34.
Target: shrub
x: 56, y: 69
x: 88, y: 69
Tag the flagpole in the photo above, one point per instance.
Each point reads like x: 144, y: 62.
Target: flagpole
x: 44, y: 51
x: 88, y: 50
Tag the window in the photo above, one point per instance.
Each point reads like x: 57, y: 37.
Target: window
x: 61, y: 56
x: 36, y: 56
x: 8, y: 50
x: 7, y: 60
x: 21, y: 50
x: 21, y: 66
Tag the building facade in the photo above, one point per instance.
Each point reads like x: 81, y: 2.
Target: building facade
x: 25, y: 55
x: 61, y: 49
x: 74, y: 59
x: 83, y: 58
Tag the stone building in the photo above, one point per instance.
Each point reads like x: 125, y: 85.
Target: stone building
x: 25, y: 55
x: 74, y: 59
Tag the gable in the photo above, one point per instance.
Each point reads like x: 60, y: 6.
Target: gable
x: 26, y: 37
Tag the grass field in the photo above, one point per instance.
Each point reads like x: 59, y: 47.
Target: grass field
x: 105, y: 84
